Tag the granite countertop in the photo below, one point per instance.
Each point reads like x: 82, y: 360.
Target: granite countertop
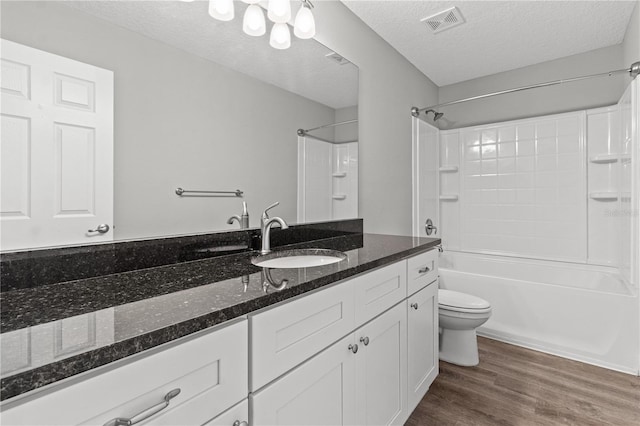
x: 55, y: 331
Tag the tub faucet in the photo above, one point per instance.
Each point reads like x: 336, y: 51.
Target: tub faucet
x: 265, y: 228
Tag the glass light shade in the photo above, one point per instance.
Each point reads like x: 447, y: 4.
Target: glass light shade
x: 279, y: 11
x: 305, y: 25
x: 280, y: 36
x: 221, y: 9
x: 253, y: 22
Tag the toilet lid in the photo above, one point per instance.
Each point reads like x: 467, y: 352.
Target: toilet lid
x: 456, y: 299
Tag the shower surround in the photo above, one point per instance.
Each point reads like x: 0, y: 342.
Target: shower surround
x: 540, y: 217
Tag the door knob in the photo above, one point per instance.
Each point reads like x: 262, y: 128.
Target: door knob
x: 102, y: 228
x: 429, y: 228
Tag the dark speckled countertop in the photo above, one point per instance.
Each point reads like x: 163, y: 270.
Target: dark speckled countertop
x: 55, y: 331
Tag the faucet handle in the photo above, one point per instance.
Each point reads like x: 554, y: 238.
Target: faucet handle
x: 265, y: 215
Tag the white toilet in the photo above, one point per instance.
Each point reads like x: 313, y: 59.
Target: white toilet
x: 459, y: 315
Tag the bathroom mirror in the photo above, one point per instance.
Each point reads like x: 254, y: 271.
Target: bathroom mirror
x: 198, y: 105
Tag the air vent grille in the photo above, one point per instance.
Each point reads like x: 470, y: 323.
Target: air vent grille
x: 338, y: 59
x: 444, y: 20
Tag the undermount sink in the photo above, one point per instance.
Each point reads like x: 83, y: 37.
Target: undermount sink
x: 302, y: 258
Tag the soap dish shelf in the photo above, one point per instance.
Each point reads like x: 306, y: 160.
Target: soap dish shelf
x: 339, y: 196
x: 448, y: 169
x: 603, y: 196
x: 604, y: 159
x: 449, y: 197
x: 339, y: 175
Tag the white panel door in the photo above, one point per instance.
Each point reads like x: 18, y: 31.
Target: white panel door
x: 425, y: 178
x: 319, y: 392
x: 422, y: 324
x: 56, y: 150
x: 381, y: 369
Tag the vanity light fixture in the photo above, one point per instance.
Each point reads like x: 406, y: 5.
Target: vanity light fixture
x: 222, y: 10
x: 253, y: 22
x: 278, y: 11
x: 304, y: 26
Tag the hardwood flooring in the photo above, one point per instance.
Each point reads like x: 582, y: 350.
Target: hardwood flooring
x: 517, y: 386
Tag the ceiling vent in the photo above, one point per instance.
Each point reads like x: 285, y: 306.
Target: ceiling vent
x: 444, y: 20
x: 338, y: 59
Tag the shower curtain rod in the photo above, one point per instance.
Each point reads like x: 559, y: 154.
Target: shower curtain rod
x: 302, y: 132
x: 633, y: 70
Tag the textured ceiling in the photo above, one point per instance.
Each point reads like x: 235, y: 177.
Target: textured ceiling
x: 302, y: 69
x: 497, y: 36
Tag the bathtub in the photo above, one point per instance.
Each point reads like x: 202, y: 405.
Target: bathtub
x: 581, y: 312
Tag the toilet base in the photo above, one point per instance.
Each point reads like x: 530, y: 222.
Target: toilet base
x: 459, y: 347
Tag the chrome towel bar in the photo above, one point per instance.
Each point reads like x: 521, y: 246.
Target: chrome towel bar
x: 187, y: 192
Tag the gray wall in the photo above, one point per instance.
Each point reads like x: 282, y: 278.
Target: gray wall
x: 179, y: 121
x: 631, y: 44
x: 548, y: 100
x: 389, y: 87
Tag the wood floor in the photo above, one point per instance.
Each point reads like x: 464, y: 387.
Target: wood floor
x: 517, y: 386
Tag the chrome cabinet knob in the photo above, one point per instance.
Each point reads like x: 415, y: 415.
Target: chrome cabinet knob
x: 240, y: 423
x: 353, y: 348
x: 102, y: 228
x: 414, y: 306
x: 364, y: 340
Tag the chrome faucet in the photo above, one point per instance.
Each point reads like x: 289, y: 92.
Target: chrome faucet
x: 265, y: 228
x: 243, y: 220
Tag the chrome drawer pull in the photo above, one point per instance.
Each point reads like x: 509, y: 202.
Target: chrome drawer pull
x: 145, y: 414
x: 414, y: 306
x: 364, y: 340
x: 424, y: 270
x: 353, y: 348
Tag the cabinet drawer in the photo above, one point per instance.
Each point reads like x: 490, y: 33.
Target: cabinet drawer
x: 285, y: 336
x: 210, y: 371
x: 421, y: 270
x: 379, y: 290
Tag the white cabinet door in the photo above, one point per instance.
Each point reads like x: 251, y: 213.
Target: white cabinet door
x: 285, y: 336
x: 381, y: 369
x: 319, y: 392
x: 238, y: 415
x: 56, y: 149
x: 422, y: 314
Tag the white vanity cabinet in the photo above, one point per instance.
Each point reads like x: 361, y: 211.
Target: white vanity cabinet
x: 210, y: 370
x: 375, y: 375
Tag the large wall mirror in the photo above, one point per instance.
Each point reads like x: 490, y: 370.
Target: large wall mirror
x: 197, y: 104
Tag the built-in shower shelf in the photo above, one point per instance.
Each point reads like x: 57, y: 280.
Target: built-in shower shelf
x: 625, y: 158
x: 625, y: 196
x: 604, y: 158
x: 339, y: 196
x: 603, y: 196
x: 449, y: 197
x: 343, y: 174
x: 448, y: 169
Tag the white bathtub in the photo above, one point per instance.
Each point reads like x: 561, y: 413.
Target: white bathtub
x: 581, y: 312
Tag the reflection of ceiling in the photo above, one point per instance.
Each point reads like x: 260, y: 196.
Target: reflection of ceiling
x: 302, y: 69
x: 497, y: 35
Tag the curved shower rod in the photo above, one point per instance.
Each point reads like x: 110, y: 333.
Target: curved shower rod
x: 633, y: 71
x: 303, y: 132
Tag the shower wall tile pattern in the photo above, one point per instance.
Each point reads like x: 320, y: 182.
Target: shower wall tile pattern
x: 523, y: 188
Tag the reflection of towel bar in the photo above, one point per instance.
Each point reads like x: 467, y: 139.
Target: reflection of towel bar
x: 186, y: 192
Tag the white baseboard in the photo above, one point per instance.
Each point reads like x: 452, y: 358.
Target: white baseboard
x: 541, y: 347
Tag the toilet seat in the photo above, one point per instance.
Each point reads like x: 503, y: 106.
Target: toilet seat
x: 460, y: 302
